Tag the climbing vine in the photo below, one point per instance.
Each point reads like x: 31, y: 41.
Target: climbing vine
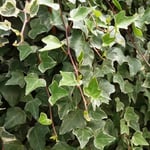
x: 74, y: 74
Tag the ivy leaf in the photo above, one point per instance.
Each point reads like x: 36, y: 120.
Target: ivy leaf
x: 137, y: 31
x: 83, y: 136
x: 52, y: 42
x: 56, y: 92
x: 68, y: 79
x: 79, y: 13
x: 73, y: 120
x: 131, y: 118
x: 5, y: 25
x: 36, y: 137
x: 17, y: 78
x: 33, y: 107
x: 25, y: 50
x: 62, y: 146
x: 146, y: 83
x: 33, y: 82
x: 9, y: 9
x: 92, y: 90
x: 32, y: 8
x: 124, y: 129
x: 44, y: 119
x: 138, y: 139
x: 102, y: 139
x: 134, y: 66
x: 108, y: 40
x: 14, y: 116
x: 49, y: 3
x: 46, y: 62
x: 117, y: 4
x: 123, y: 21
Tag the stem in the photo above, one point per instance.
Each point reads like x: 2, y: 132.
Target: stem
x: 50, y: 113
x: 70, y: 56
x: 23, y: 27
x: 48, y: 95
x: 136, y: 48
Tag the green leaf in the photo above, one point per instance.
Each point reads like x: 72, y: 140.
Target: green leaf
x: 79, y: 13
x: 62, y: 146
x: 56, y: 92
x: 131, y: 118
x: 138, y: 139
x: 46, y: 62
x: 5, y: 25
x: 49, y: 3
x: 16, y: 145
x: 33, y: 107
x: 36, y: 137
x: 137, y: 31
x: 72, y: 121
x: 116, y: 54
x: 119, y: 105
x: 14, y: 116
x: 17, y: 78
x: 124, y: 129
x: 102, y: 139
x: 134, y: 65
x: 10, y: 93
x: 146, y: 83
x: 117, y: 4
x: 37, y: 27
x: 9, y: 9
x: 83, y: 136
x: 68, y: 79
x: 33, y: 82
x: 32, y: 7
x: 25, y: 50
x: 92, y: 90
x: 108, y: 40
x: 44, y: 119
x: 52, y: 42
x: 123, y: 21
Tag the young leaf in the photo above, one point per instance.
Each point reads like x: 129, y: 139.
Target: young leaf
x: 33, y: 82
x: 14, y: 116
x: 138, y: 139
x: 117, y: 4
x: 108, y: 40
x: 83, y: 136
x: 68, y: 79
x: 44, y: 119
x: 73, y: 120
x: 123, y: 21
x: 52, y: 42
x: 9, y: 9
x: 56, y: 92
x: 46, y: 62
x: 102, y: 139
x: 92, y: 90
x: 25, y: 50
x: 79, y: 13
x: 137, y: 31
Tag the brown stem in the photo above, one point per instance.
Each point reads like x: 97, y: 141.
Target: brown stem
x: 70, y: 56
x: 136, y: 48
x: 50, y: 113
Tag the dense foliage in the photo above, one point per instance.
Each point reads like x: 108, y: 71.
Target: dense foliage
x: 74, y: 74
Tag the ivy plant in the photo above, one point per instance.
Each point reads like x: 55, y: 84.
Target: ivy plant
x: 74, y: 74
